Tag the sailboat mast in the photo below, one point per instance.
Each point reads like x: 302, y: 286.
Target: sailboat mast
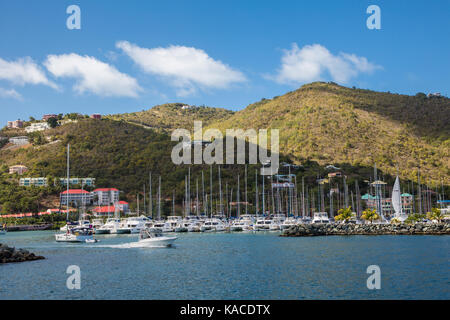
x: 68, y: 182
x: 246, y: 200
x: 210, y: 188
x: 159, y: 199
x: 256, y: 193
x: 220, y: 194
x: 303, y: 197
x: 197, y: 209
x: 150, y: 196
x: 238, y: 199
x: 263, y: 198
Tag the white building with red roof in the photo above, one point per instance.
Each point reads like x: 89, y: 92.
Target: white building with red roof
x: 76, y: 197
x: 105, y: 196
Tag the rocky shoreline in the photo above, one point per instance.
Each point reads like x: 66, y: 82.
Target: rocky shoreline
x: 11, y: 254
x: 310, y: 230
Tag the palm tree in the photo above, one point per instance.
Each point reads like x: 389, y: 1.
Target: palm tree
x: 370, y: 215
x: 435, y: 214
x: 344, y: 214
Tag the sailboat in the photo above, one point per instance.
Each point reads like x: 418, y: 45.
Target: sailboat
x: 397, y: 202
x: 77, y: 233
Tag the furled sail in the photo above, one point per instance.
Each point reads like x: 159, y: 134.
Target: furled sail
x: 396, y: 197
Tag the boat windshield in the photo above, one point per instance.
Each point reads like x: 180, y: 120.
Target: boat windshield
x: 146, y: 234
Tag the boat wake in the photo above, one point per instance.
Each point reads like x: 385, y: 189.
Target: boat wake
x: 130, y: 245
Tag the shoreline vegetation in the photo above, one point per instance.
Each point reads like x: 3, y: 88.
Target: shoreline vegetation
x: 311, y: 230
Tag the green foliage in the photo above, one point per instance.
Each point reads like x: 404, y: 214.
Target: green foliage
x: 414, y: 218
x: 370, y: 215
x: 52, y: 122
x: 344, y: 214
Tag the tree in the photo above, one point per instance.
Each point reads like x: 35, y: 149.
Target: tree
x: 52, y: 122
x: 370, y: 215
x: 344, y: 214
x: 435, y: 214
x: 415, y: 217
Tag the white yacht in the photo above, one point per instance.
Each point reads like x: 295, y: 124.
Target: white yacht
x: 158, y: 225
x: 213, y: 225
x: 171, y: 224
x: 277, y: 221
x: 320, y: 217
x: 110, y: 227
x: 195, y: 226
x: 97, y: 223
x: 262, y: 224
x: 80, y: 223
x: 289, y: 222
x: 244, y: 223
x: 133, y: 225
x: 123, y: 227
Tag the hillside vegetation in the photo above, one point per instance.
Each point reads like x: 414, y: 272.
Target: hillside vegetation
x: 328, y: 123
x: 171, y: 116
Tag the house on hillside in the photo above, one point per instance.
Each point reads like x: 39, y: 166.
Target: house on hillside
x: 19, y: 169
x: 15, y: 124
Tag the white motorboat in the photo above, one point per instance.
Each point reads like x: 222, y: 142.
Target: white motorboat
x: 158, y: 225
x: 80, y: 223
x: 153, y: 238
x: 277, y: 221
x: 262, y: 224
x: 244, y: 223
x: 97, y: 223
x: 110, y: 227
x: 195, y: 226
x: 320, y: 217
x: 289, y: 222
x: 123, y: 227
x: 171, y: 224
x: 77, y: 234
x: 213, y: 225
x: 134, y: 225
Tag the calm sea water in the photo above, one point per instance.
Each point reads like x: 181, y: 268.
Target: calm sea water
x: 231, y: 266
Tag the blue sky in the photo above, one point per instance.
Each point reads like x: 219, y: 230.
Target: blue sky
x: 132, y: 55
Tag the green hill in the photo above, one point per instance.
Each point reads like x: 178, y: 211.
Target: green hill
x: 320, y: 124
x: 328, y: 123
x: 171, y: 116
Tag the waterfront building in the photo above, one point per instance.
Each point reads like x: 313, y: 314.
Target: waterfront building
x: 386, y: 203
x: 76, y: 197
x: 105, y: 196
x: 37, y: 182
x: 19, y: 169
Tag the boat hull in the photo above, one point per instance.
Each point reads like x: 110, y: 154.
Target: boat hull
x: 157, y: 242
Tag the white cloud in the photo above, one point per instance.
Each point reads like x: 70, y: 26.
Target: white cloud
x: 186, y: 68
x: 314, y: 62
x: 23, y: 71
x: 10, y: 93
x: 92, y: 75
